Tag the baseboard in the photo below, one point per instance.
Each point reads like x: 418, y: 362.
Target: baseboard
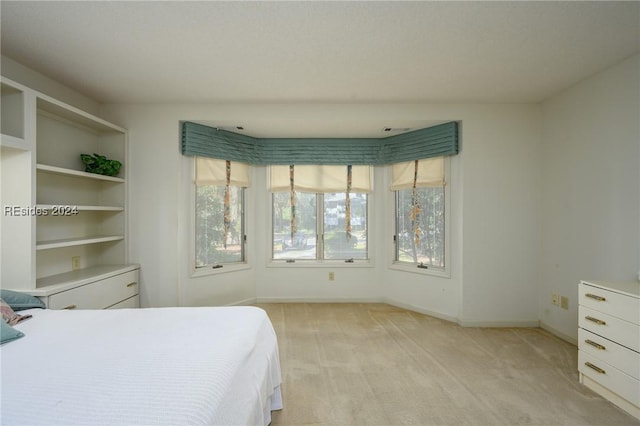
x: 419, y: 310
x: 500, y: 324
x: 410, y: 307
x: 559, y: 334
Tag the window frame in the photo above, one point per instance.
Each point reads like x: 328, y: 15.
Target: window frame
x: 412, y: 266
x: 318, y: 261
x: 226, y: 267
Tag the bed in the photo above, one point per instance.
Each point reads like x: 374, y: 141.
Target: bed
x: 173, y: 366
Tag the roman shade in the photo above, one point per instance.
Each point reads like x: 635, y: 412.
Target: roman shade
x: 211, y: 171
x: 206, y: 141
x: 429, y: 173
x: 320, y: 179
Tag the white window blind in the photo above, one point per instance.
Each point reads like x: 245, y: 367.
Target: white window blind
x: 211, y: 171
x: 430, y: 174
x: 321, y: 179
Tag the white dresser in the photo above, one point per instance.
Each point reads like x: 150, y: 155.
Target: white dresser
x: 609, y: 341
x: 98, y: 287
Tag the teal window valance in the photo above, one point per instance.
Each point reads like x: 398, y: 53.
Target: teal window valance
x: 205, y: 141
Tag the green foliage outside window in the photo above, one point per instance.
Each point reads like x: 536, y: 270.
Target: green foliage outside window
x: 211, y: 249
x: 429, y: 247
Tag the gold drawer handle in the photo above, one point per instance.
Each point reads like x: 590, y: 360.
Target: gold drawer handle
x: 596, y: 297
x: 593, y: 367
x: 596, y: 320
x: 131, y: 284
x: 70, y: 307
x: 595, y: 345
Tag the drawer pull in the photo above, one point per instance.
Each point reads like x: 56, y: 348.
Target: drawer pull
x: 70, y: 307
x: 595, y: 345
x: 131, y: 284
x: 596, y: 320
x: 596, y: 297
x: 596, y: 368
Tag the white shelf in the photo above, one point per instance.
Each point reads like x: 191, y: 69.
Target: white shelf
x: 69, y: 242
x: 83, y: 208
x: 75, y: 116
x: 76, y: 173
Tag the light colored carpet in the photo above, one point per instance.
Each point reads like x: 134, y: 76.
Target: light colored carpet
x: 375, y: 364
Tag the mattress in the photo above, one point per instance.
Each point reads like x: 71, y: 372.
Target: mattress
x: 173, y: 366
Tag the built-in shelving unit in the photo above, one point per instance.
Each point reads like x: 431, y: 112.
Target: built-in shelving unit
x: 58, y: 220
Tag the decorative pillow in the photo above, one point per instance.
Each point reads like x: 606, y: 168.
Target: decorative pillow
x: 20, y: 301
x: 8, y: 333
x: 9, y: 316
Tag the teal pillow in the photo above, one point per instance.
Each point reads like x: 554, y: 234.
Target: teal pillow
x: 20, y: 301
x: 8, y: 333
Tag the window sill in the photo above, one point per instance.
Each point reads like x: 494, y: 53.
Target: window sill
x: 301, y: 263
x: 205, y: 271
x: 412, y: 268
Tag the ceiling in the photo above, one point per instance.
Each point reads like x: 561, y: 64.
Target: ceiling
x: 319, y: 52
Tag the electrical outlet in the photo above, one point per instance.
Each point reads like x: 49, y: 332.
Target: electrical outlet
x: 332, y: 276
x: 554, y: 299
x: 564, y: 302
x: 75, y: 263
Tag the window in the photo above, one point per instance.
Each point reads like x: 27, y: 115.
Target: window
x: 319, y: 239
x: 328, y: 224
x: 303, y: 244
x: 336, y: 243
x: 424, y: 243
x: 212, y: 248
x: 219, y: 212
x: 420, y: 213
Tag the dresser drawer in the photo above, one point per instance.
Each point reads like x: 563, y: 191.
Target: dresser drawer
x: 132, y: 302
x: 97, y: 295
x: 610, y: 302
x: 610, y: 377
x: 622, y: 358
x: 609, y: 327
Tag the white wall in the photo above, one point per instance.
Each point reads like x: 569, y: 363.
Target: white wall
x: 495, y: 199
x: 590, y: 188
x: 495, y: 228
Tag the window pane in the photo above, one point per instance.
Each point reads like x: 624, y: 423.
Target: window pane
x: 303, y: 245
x: 429, y: 248
x: 336, y: 244
x: 210, y: 249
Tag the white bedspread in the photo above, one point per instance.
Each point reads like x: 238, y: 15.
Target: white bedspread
x: 173, y: 366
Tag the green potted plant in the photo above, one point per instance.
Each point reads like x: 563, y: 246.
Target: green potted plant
x: 100, y: 164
